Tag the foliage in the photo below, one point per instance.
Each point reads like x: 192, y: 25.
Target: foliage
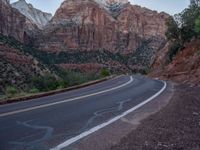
x: 34, y: 90
x: 105, y: 72
x: 197, y: 25
x: 46, y: 83
x: 195, y: 2
x: 173, y: 32
x: 145, y: 70
x: 174, y: 49
x: 183, y: 27
x: 72, y: 78
x: 11, y: 91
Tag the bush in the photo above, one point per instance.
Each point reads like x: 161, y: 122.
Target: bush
x: 174, y: 49
x: 183, y: 27
x: 45, y: 83
x: 197, y: 25
x: 63, y: 84
x: 75, y: 78
x: 11, y: 91
x: 34, y: 90
x: 105, y: 72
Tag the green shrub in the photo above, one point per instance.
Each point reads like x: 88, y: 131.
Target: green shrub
x: 75, y: 78
x: 145, y: 70
x: 45, y: 83
x: 105, y: 72
x: 173, y: 50
x: 197, y: 25
x: 63, y: 84
x: 11, y: 91
x: 34, y: 90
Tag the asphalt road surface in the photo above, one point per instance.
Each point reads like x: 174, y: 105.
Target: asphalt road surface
x: 54, y: 122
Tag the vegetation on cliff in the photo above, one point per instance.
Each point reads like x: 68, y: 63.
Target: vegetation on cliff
x: 25, y: 70
x: 184, y: 27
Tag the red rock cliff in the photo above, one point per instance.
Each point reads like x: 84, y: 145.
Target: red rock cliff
x: 86, y: 24
x: 12, y: 23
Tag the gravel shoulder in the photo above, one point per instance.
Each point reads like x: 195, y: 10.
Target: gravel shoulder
x: 175, y: 127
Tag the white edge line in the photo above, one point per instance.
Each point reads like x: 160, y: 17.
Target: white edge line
x: 64, y: 101
x: 94, y: 129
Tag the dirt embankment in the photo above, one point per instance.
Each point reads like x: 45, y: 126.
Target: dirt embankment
x: 185, y: 67
x: 176, y: 127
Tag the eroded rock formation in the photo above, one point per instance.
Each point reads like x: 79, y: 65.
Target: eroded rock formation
x: 86, y: 25
x: 12, y: 23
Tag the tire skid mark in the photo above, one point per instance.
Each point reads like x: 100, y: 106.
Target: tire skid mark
x: 22, y: 142
x: 102, y: 112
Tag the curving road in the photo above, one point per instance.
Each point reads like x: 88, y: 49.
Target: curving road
x: 54, y: 122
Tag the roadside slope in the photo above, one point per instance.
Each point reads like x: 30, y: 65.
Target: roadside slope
x: 185, y: 67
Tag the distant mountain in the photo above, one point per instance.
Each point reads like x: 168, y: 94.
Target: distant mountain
x: 106, y: 28
x: 34, y: 15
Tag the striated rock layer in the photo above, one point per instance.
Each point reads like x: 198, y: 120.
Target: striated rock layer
x: 12, y: 23
x: 118, y: 27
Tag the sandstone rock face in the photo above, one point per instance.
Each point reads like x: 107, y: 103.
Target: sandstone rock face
x: 85, y: 25
x: 34, y: 16
x: 185, y: 67
x: 12, y: 23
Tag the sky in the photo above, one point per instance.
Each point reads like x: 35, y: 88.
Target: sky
x: 170, y: 6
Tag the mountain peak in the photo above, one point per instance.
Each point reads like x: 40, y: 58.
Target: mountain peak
x: 116, y: 1
x: 111, y: 2
x: 34, y: 15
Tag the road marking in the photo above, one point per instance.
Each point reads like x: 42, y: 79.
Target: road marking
x: 94, y: 129
x: 67, y: 100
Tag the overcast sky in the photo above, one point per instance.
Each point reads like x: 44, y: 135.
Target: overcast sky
x: 170, y: 6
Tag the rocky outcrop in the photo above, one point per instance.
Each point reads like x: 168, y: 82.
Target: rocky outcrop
x: 86, y: 25
x: 185, y: 67
x: 12, y: 23
x: 162, y: 58
x: 34, y: 16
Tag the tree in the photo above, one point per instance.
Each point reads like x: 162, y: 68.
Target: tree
x: 194, y: 2
x: 105, y: 72
x: 197, y: 26
x: 183, y: 26
x: 173, y: 32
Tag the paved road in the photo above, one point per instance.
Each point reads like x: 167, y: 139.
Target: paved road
x: 46, y: 122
